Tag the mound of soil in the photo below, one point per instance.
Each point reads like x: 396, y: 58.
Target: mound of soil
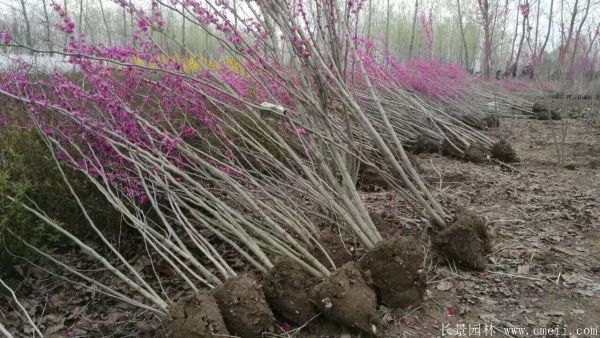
x: 196, y: 317
x: 492, y: 121
x: 370, y: 179
x: 503, y: 151
x: 539, y: 106
x: 346, y: 297
x: 244, y: 307
x: 549, y: 115
x: 466, y: 241
x: 335, y: 247
x: 396, y: 267
x: 449, y: 150
x: 287, y: 287
x: 422, y: 145
x: 476, y: 153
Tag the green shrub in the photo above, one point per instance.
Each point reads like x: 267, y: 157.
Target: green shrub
x: 29, y: 173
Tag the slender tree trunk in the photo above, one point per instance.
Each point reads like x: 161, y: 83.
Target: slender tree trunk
x: 487, y: 39
x: 413, y: 29
x: 108, y: 34
x: 537, y: 29
x: 387, y: 31
x: 567, y: 43
x: 124, y: 26
x: 47, y: 25
x: 27, y: 24
x: 66, y: 40
x: 370, y: 20
x: 514, y: 40
x: 80, y: 22
x: 549, y: 29
x: 578, y: 34
x: 520, y: 49
x: 462, y: 34
x: 183, y: 42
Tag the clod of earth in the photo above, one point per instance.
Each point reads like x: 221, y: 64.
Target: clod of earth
x: 492, y: 121
x: 466, y: 240
x: 539, y: 107
x: 549, y: 115
x: 422, y: 145
x: 503, y: 151
x: 244, y: 307
x: 449, y: 150
x: 396, y: 267
x: 346, y: 297
x: 544, y: 112
x: 287, y: 287
x: 196, y: 317
x: 370, y: 179
x: 335, y: 247
x: 475, y: 153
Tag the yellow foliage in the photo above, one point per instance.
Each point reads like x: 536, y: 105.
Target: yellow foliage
x: 192, y: 65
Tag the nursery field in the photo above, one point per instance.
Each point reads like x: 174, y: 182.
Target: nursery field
x: 299, y: 168
x: 543, y: 272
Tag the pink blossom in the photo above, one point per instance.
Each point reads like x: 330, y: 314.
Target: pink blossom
x: 5, y: 37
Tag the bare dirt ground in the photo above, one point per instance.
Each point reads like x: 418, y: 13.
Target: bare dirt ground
x: 544, y: 272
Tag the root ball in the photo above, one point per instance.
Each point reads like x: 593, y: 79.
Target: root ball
x: 287, y: 287
x: 196, y: 317
x: 396, y: 267
x: 466, y: 241
x: 346, y: 297
x: 244, y: 307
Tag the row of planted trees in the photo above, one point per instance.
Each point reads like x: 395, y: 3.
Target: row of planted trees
x: 261, y: 159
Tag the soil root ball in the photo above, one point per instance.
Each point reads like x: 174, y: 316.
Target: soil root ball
x: 423, y: 145
x: 503, y: 151
x: 335, y: 247
x: 466, y: 241
x: 287, y: 287
x: 449, y: 150
x: 346, y: 297
x: 396, y: 267
x: 539, y: 107
x: 196, y: 317
x: 549, y: 115
x: 475, y: 153
x: 244, y: 306
x: 492, y: 121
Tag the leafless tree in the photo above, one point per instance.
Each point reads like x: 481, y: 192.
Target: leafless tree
x: 413, y: 29
x: 27, y: 24
x: 108, y: 34
x: 462, y: 33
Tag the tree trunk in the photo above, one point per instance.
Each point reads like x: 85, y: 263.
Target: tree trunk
x: 66, y: 13
x: 514, y: 41
x: 387, y: 32
x: 412, y: 32
x: 47, y: 18
x: 549, y: 30
x: 462, y: 34
x: 370, y: 20
x: 124, y: 26
x: 578, y: 34
x: 567, y: 43
x: 520, y: 49
x: 80, y: 22
x: 183, y: 42
x: 487, y: 39
x: 537, y: 29
x: 108, y: 35
x: 27, y: 25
